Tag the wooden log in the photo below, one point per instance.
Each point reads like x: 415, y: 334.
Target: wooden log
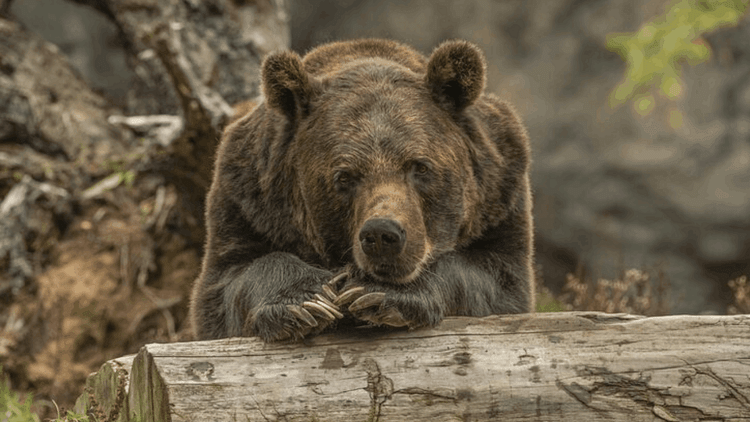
x: 576, y: 366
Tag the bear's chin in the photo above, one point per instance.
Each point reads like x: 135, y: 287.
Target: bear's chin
x: 397, y: 270
x: 392, y: 273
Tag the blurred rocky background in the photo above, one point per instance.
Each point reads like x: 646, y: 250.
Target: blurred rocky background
x: 108, y: 254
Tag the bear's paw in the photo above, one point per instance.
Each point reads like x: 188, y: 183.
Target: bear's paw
x: 294, y: 321
x: 392, y: 308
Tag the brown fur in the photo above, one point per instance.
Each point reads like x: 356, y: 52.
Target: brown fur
x: 368, y: 158
x: 243, y: 108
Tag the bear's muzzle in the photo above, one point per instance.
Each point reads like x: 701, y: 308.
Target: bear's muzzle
x: 382, y: 238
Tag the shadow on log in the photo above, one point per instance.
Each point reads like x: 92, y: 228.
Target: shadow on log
x: 576, y: 366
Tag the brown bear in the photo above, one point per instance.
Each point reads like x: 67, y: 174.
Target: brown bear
x: 372, y: 184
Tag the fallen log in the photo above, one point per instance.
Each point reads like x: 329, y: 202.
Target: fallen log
x: 574, y: 366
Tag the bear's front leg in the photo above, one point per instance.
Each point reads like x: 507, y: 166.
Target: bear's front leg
x: 473, y: 282
x: 275, y: 297
x: 289, y: 299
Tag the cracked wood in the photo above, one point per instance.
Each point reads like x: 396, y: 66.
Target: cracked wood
x: 561, y: 366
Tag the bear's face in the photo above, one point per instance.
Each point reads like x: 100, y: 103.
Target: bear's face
x: 381, y: 174
x: 383, y: 171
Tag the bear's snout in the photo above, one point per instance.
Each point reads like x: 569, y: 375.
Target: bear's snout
x: 382, y: 238
x: 390, y: 244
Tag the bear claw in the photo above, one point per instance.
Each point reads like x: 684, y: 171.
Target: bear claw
x: 369, y: 308
x: 367, y: 301
x: 312, y: 315
x: 333, y: 283
x: 349, y: 296
x: 330, y: 307
x: 329, y: 292
x: 391, y: 317
x: 302, y: 314
x: 319, y: 310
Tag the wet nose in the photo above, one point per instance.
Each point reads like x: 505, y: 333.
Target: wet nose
x: 382, y: 238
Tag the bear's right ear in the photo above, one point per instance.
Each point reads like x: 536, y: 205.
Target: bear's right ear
x: 286, y: 85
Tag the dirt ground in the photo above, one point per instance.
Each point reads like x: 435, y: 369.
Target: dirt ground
x: 116, y: 276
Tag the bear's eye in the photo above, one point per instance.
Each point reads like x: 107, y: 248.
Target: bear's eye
x: 420, y: 168
x: 343, y: 179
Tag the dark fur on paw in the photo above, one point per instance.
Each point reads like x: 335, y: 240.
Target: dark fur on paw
x: 279, y: 322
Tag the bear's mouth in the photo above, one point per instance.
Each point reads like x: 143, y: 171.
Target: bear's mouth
x: 393, y: 273
x: 401, y: 269
x: 385, y: 270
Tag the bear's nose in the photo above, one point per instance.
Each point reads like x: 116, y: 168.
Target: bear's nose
x: 382, y: 238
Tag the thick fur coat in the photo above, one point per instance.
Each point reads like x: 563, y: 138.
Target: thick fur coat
x: 372, y: 184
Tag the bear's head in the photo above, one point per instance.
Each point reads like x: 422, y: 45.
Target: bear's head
x: 383, y: 151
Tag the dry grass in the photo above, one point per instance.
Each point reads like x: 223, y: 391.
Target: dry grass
x: 634, y: 292
x: 741, y: 291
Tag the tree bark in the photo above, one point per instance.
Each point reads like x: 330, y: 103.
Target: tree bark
x: 195, y: 59
x: 578, y: 366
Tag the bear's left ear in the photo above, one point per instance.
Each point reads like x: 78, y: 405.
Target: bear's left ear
x: 286, y: 85
x: 455, y: 75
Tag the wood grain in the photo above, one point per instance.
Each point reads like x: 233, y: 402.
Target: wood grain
x: 577, y: 366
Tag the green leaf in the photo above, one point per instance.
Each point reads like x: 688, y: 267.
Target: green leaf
x: 654, y: 54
